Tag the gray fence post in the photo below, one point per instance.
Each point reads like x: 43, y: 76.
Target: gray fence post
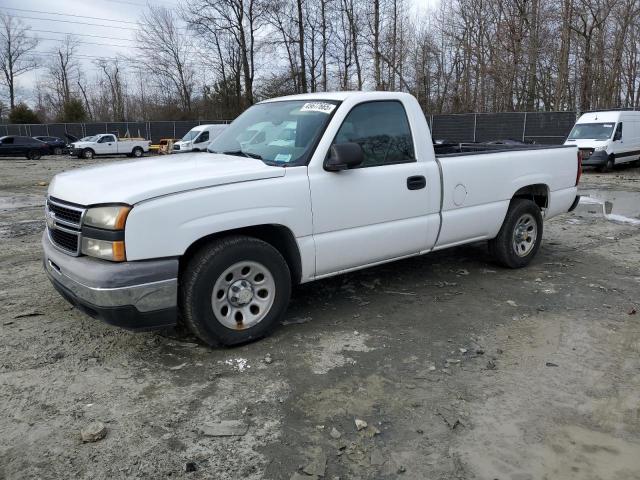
x: 475, y: 122
x: 524, y: 127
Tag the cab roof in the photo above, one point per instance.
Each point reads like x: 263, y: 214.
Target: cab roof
x: 340, y: 96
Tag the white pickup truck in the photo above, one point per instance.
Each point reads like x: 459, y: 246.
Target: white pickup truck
x: 108, y: 144
x: 223, y: 236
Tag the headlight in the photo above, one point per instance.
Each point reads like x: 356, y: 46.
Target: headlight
x: 110, y: 218
x: 600, y: 149
x: 104, y: 249
x: 105, y: 245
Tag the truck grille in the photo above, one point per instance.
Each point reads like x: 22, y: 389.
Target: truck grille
x: 71, y: 215
x: 64, y: 224
x: 67, y: 241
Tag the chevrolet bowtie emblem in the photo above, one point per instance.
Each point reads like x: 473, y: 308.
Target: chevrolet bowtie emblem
x: 51, y: 219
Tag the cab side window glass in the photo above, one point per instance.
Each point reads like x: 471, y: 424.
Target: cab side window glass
x: 618, y: 134
x: 204, y: 137
x: 382, y: 130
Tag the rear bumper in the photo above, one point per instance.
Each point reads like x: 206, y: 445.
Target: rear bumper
x: 132, y: 295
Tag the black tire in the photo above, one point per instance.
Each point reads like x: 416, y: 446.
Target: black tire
x: 513, y: 233
x: 57, y: 151
x: 206, y: 268
x: 87, y: 154
x: 33, y: 155
x: 607, y: 167
x: 137, y: 152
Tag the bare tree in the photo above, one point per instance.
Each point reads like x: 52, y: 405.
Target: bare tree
x: 15, y: 46
x: 167, y: 52
x: 63, y: 72
x: 241, y: 19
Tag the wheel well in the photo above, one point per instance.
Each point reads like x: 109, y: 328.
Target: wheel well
x: 279, y: 236
x: 539, y: 193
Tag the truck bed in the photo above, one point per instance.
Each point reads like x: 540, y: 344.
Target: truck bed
x: 478, y: 182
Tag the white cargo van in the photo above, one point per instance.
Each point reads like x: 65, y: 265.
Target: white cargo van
x: 198, y: 138
x: 607, y: 138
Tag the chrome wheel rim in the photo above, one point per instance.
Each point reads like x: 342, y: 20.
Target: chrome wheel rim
x: 525, y: 235
x: 243, y: 295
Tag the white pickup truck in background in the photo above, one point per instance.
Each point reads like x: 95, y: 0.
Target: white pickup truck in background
x: 108, y: 144
x: 225, y: 235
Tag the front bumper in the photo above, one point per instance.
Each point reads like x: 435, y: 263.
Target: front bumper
x: 596, y: 159
x: 133, y: 295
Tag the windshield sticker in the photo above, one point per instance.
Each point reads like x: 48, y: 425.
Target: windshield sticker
x: 608, y: 125
x: 318, y: 107
x: 283, y: 157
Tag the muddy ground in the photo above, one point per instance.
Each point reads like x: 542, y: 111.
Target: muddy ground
x: 461, y: 369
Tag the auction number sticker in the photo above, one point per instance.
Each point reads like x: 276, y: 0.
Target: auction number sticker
x: 318, y: 107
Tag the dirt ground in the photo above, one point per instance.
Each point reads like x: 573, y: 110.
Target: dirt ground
x: 461, y: 369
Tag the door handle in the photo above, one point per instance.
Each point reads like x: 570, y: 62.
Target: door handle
x: 416, y: 182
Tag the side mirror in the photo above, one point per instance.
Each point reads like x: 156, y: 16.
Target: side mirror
x: 617, y: 135
x: 343, y: 156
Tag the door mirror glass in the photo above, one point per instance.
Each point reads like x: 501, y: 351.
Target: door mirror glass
x: 344, y: 156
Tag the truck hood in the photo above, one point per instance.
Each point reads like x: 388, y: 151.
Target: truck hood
x: 586, y: 143
x: 82, y: 144
x: 136, y: 180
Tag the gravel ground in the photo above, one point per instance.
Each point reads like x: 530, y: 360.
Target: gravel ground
x: 460, y: 369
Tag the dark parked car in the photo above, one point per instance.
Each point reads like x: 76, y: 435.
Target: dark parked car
x: 15, y: 146
x: 57, y: 145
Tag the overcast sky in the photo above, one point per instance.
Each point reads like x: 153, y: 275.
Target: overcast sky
x: 111, y: 34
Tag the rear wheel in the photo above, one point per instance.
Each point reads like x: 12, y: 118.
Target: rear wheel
x: 520, y: 236
x: 234, y: 290
x: 33, y: 155
x: 137, y: 152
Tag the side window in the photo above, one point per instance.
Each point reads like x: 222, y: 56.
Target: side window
x: 204, y: 137
x: 107, y: 138
x: 618, y: 134
x: 382, y: 130
x: 8, y: 141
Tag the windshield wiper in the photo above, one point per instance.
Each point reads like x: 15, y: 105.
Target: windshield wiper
x: 243, y: 153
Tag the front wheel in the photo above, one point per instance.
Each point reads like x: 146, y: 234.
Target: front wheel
x: 607, y: 167
x: 87, y: 153
x: 234, y: 290
x: 57, y: 151
x: 520, y: 236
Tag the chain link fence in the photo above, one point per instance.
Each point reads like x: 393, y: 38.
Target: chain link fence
x: 153, y: 131
x: 531, y: 127
x: 546, y: 128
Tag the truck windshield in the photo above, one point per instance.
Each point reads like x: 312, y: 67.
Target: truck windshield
x: 191, y: 134
x: 278, y: 133
x: 592, y: 131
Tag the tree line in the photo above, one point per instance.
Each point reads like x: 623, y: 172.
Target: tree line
x: 213, y: 58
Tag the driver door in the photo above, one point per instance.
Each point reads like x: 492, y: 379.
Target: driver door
x: 105, y: 145
x: 378, y: 211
